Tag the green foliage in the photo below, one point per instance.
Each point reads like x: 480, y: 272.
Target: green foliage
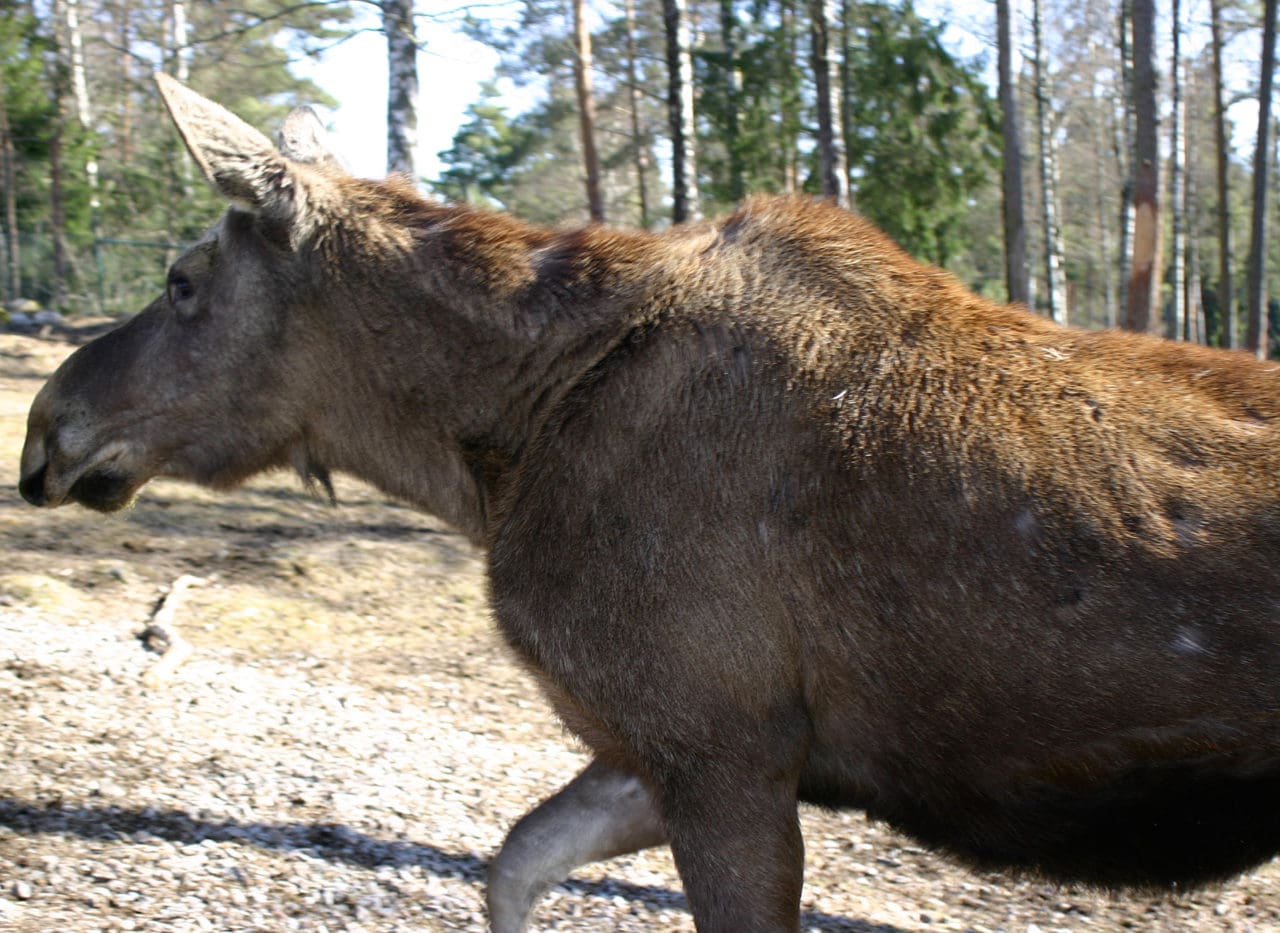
x: 30, y: 72
x: 148, y: 189
x: 530, y: 164
x: 770, y: 106
x: 509, y: 163
x: 921, y: 127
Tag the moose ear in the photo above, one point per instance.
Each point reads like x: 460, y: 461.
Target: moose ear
x: 303, y: 139
x: 239, y: 162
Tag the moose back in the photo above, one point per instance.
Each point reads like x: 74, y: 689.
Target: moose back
x: 773, y: 512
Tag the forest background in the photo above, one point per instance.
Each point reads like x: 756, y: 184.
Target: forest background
x: 1107, y: 162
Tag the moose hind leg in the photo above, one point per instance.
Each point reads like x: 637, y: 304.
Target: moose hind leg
x: 602, y: 812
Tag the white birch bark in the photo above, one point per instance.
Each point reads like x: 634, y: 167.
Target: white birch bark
x: 402, y: 85
x: 1054, y: 285
x: 684, y: 160
x: 582, y: 81
x: 1177, y: 161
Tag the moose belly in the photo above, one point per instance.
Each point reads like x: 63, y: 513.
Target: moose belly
x: 1119, y: 801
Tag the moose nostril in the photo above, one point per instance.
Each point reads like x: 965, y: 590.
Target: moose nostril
x: 32, y: 486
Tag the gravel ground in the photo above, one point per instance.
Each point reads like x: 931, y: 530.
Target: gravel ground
x: 348, y: 743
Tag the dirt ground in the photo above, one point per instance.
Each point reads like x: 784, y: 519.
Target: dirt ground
x: 379, y: 610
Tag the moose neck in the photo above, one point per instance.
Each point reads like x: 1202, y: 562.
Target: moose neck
x: 443, y: 361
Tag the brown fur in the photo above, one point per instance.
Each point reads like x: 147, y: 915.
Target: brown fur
x: 774, y: 512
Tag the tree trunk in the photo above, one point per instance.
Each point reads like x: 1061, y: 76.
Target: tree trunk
x: 1177, y: 157
x: 733, y: 92
x: 180, y: 68
x: 57, y: 204
x: 75, y: 46
x: 1015, y: 226
x: 126, y: 83
x: 832, y: 170
x: 684, y: 166
x: 1124, y: 152
x: 789, y: 117
x: 1103, y: 220
x: 402, y: 85
x: 1195, y: 328
x: 586, y: 111
x: 80, y: 91
x: 1257, y: 333
x: 1226, y: 290
x: 57, y: 216
x: 633, y: 99
x: 178, y: 37
x: 1055, y: 293
x: 8, y: 180
x: 1142, y: 312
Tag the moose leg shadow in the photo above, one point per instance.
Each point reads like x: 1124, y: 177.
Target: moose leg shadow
x: 333, y: 842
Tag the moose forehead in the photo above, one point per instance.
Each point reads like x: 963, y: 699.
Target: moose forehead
x: 237, y: 239
x: 197, y: 261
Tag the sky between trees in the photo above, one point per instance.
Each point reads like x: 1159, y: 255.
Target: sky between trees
x: 898, y: 113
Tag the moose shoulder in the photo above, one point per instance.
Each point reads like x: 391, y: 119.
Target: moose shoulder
x: 774, y: 513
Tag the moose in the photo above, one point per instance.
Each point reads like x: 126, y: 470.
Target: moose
x: 773, y: 513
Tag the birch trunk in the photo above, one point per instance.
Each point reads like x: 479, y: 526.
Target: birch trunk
x: 178, y: 39
x: 1123, y: 148
x: 402, y: 85
x: 57, y: 125
x: 1195, y: 328
x: 684, y: 167
x: 1226, y: 290
x: 1015, y: 225
x: 1142, y: 309
x: 1257, y: 332
x: 582, y: 85
x: 1177, y: 159
x: 1055, y: 292
x: 1103, y: 222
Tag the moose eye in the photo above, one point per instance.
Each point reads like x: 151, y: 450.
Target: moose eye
x: 180, y: 288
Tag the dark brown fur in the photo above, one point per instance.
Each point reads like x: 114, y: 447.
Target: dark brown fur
x: 774, y: 512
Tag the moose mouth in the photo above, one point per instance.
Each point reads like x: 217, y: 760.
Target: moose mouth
x: 100, y: 488
x: 103, y: 489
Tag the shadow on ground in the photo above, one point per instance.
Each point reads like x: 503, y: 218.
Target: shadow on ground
x: 333, y: 842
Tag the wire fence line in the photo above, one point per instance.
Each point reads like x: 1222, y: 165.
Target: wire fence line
x: 105, y: 275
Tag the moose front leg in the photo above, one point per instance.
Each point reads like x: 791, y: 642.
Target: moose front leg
x: 738, y: 847
x: 602, y: 813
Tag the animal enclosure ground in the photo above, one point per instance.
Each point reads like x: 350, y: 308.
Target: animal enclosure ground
x: 349, y: 741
